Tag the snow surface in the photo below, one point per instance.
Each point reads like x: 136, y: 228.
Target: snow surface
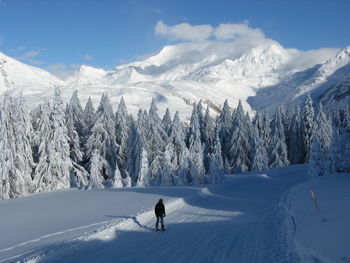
x: 324, y: 235
x: 241, y: 220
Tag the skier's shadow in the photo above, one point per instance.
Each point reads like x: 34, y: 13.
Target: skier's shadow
x: 137, y: 222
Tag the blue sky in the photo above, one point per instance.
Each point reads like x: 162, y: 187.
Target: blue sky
x: 62, y: 34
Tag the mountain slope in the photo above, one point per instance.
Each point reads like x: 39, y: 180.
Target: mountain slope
x: 34, y: 81
x: 261, y: 75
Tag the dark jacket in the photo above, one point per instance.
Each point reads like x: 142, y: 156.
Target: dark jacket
x: 159, y: 210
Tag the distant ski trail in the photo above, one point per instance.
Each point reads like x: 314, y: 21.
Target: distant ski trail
x: 241, y: 220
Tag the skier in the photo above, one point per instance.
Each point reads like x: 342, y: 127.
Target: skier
x: 159, y: 210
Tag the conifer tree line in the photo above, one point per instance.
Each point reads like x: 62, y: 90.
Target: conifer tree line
x: 59, y: 146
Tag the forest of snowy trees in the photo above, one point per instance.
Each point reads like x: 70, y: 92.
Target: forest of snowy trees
x: 56, y: 146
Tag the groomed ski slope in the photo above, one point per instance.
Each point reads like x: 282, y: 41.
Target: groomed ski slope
x: 242, y: 219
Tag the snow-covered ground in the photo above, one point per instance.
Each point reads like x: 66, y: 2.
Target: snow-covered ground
x: 324, y: 235
x: 253, y: 217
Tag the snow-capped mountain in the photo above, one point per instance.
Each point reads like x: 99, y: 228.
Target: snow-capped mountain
x: 330, y: 77
x: 34, y: 81
x: 261, y: 75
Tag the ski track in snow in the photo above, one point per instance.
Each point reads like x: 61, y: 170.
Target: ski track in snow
x: 241, y: 220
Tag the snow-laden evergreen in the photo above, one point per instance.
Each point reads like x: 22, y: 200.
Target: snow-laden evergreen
x: 75, y: 131
x: 16, y: 159
x: 102, y: 138
x: 224, y: 124
x: 260, y: 159
x: 71, y: 147
x: 216, y: 165
x: 180, y: 159
x: 278, y: 155
x: 208, y: 138
x: 122, y: 129
x: 89, y: 114
x: 54, y: 166
x: 295, y: 132
x: 240, y: 151
x: 308, y: 126
x: 195, y: 147
x: 156, y: 138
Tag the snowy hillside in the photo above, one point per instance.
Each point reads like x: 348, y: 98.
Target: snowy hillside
x: 260, y: 74
x: 248, y: 218
x: 36, y: 83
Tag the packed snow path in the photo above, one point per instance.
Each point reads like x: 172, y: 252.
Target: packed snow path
x: 240, y: 220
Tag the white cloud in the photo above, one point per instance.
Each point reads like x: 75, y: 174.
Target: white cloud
x: 88, y: 57
x: 184, y: 31
x: 233, y: 31
x: 223, y: 32
x: 30, y: 54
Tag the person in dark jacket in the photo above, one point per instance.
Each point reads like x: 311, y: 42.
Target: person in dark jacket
x: 159, y: 210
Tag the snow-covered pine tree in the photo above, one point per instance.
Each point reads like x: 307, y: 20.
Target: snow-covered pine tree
x: 16, y: 162
x: 96, y: 166
x: 262, y: 123
x: 240, y: 151
x: 340, y: 147
x: 295, y: 142
x: 102, y: 138
x: 196, y: 168
x: 156, y: 140
x: 89, y: 114
x: 180, y: 159
x: 122, y: 128
x: 308, y: 126
x: 224, y: 123
x: 208, y: 138
x: 166, y: 122
x: 323, y: 129
x: 216, y: 166
x: 316, y: 166
x: 168, y: 172
x: 142, y: 169
x: 260, y: 159
x: 278, y: 155
x: 136, y: 152
x: 76, y: 111
x: 54, y: 165
x: 75, y: 130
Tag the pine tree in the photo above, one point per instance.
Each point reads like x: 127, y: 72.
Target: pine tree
x: 166, y: 122
x: 156, y: 138
x: 180, y: 159
x: 295, y: 143
x: 168, y: 172
x: 224, y: 124
x: 137, y: 158
x: 97, y: 165
x: 16, y: 162
x: 54, y: 166
x: 142, y: 169
x: 75, y: 131
x: 216, y: 167
x: 308, y: 126
x: 323, y: 129
x: 122, y: 128
x: 278, y: 155
x: 260, y: 158
x: 102, y: 138
x: 197, y: 172
x: 240, y: 150
x: 208, y: 138
x: 316, y: 167
x: 89, y: 114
